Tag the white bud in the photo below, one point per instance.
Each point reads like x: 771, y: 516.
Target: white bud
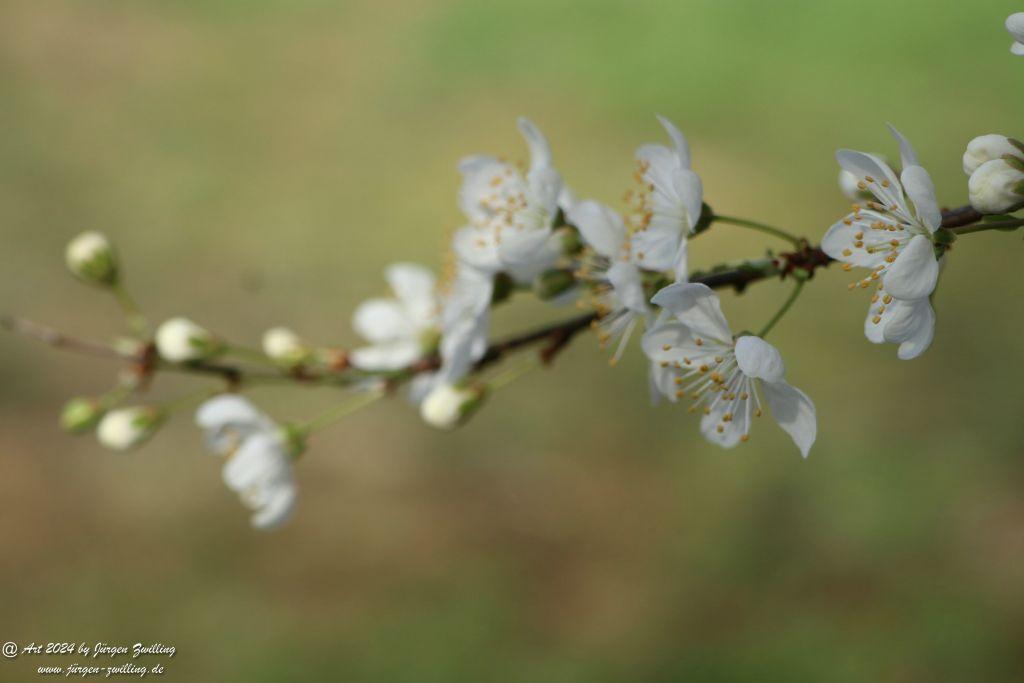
x: 447, y: 406
x: 90, y: 257
x: 986, y: 148
x: 993, y: 187
x: 126, y: 428
x: 1015, y: 26
x: 180, y: 340
x: 283, y: 345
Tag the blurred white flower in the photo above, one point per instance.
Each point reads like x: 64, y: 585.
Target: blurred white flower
x: 667, y: 205
x: 447, y: 406
x: 1015, y: 25
x: 90, y: 257
x: 695, y: 356
x: 180, y: 340
x: 259, y: 457
x: 894, y: 237
x: 510, y: 215
x: 610, y: 265
x: 403, y: 329
x: 284, y: 346
x: 125, y: 428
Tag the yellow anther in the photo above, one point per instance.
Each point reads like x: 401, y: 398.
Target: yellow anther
x: 877, y: 319
x: 745, y: 438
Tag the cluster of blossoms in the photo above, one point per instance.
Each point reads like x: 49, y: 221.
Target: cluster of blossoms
x: 525, y: 230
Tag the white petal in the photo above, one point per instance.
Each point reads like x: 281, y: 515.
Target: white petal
x: 672, y: 342
x: 625, y: 278
x: 656, y: 248
x: 477, y: 248
x: 1017, y: 49
x: 387, y: 356
x: 678, y: 141
x: 759, y: 359
x: 412, y: 284
x: 696, y: 306
x: 521, y: 248
x: 278, y: 509
x: 725, y: 433
x: 912, y: 326
x: 600, y: 226
x: 260, y: 457
x: 862, y: 165
x: 229, y: 409
x: 921, y: 190
x: 914, y: 273
x: 540, y: 150
x: 380, y: 320
x: 545, y: 185
x: 690, y: 191
x: 908, y: 157
x: 794, y: 412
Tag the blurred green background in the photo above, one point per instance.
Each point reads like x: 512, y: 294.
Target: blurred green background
x: 258, y: 162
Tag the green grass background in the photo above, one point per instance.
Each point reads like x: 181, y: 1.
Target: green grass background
x: 258, y: 162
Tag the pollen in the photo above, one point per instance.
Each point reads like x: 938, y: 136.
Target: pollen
x: 847, y: 252
x: 698, y: 341
x: 877, y: 319
x: 666, y: 347
x: 745, y: 438
x: 869, y: 179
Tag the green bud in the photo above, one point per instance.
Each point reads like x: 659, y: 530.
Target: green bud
x: 551, y: 283
x: 81, y: 414
x: 944, y: 237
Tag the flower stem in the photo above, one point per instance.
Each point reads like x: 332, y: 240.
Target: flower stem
x: 250, y: 354
x: 760, y: 227
x: 993, y: 225
x: 786, y: 305
x: 335, y: 413
x: 136, y: 321
x: 512, y: 374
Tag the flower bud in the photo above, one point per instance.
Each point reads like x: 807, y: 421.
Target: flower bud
x: 90, y: 257
x: 995, y: 187
x: 986, y: 148
x: 284, y: 346
x: 447, y: 406
x: 81, y: 414
x: 180, y: 340
x: 551, y: 283
x: 126, y: 428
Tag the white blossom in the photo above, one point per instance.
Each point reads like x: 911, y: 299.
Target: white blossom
x: 258, y: 456
x: 180, y: 340
x: 90, y: 257
x: 1015, y: 25
x: 125, y: 428
x: 728, y: 380
x: 510, y: 215
x: 911, y: 324
x: 611, y: 266
x: 668, y: 204
x: 402, y: 329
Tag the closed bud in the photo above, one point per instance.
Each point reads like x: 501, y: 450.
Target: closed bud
x: 985, y: 148
x: 81, y: 414
x: 448, y: 406
x: 994, y: 187
x: 551, y: 283
x: 284, y: 346
x: 180, y: 340
x: 126, y: 428
x: 90, y: 257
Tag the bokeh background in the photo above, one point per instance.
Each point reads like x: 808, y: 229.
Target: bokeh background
x: 258, y: 162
